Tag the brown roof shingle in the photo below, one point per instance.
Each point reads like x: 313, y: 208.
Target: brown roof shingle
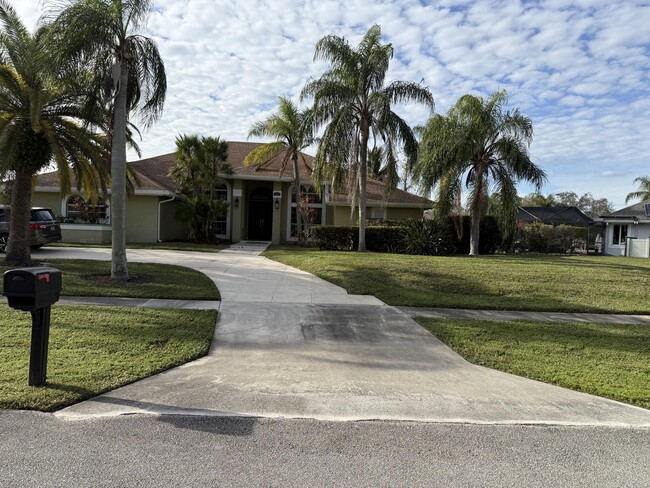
x: 154, y: 175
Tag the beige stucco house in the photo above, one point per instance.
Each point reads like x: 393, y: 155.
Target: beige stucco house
x: 259, y: 198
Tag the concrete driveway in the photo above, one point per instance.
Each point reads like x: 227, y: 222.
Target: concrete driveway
x: 330, y: 356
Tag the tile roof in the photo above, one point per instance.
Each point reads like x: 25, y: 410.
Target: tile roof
x: 154, y: 175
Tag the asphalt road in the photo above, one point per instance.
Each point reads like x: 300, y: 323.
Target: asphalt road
x: 41, y: 450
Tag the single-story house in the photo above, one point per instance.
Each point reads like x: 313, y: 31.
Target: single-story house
x: 627, y: 231
x: 553, y: 216
x: 259, y: 198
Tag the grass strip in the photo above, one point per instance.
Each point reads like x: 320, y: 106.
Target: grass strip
x: 96, y: 349
x: 92, y: 279
x: 602, y: 284
x: 608, y: 360
x: 168, y: 246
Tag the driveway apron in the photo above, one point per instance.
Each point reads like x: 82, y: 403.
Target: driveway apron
x: 288, y: 344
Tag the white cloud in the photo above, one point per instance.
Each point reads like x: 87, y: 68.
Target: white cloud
x: 579, y: 68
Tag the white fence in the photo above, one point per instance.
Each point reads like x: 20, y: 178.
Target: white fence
x: 638, y: 248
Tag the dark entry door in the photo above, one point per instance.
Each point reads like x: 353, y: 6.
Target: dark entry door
x: 260, y: 215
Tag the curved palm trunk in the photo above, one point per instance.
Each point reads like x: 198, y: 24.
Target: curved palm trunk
x: 363, y: 180
x: 297, y: 192
x: 119, y: 267
x: 21, y: 196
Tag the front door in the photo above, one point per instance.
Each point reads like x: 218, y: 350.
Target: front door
x: 260, y: 214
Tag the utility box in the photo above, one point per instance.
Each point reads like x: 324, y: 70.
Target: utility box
x: 32, y: 288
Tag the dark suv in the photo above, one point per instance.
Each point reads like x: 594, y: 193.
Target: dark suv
x: 43, y: 227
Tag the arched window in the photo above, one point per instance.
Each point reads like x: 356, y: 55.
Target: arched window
x: 80, y: 211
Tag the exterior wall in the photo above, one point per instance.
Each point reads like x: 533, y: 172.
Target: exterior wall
x: 170, y: 228
x: 86, y: 234
x: 641, y: 231
x: 48, y: 200
x: 404, y: 213
x: 141, y: 219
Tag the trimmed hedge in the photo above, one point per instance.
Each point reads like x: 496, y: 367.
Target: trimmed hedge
x: 543, y: 238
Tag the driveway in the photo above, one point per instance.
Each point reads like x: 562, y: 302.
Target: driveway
x: 330, y: 356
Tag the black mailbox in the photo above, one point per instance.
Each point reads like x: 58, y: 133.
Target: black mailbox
x: 32, y: 288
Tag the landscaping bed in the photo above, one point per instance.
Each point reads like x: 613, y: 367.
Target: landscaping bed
x: 92, y: 278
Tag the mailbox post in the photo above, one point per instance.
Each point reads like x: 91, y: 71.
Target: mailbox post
x: 35, y: 290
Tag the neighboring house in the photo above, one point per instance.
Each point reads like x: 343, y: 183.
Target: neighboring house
x: 553, y: 216
x: 260, y: 203
x: 627, y: 231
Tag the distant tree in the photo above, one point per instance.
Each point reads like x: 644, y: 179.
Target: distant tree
x: 643, y: 193
x: 201, y: 163
x: 538, y: 200
x: 478, y: 145
x: 593, y: 207
x: 45, y: 117
x: 351, y: 101
x: 292, y: 131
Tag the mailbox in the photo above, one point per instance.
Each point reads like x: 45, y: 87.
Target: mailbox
x: 32, y: 288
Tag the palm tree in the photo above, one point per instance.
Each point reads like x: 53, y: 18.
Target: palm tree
x: 201, y: 163
x: 292, y: 131
x: 643, y: 193
x: 45, y: 117
x: 106, y: 34
x: 351, y: 100
x: 475, y: 146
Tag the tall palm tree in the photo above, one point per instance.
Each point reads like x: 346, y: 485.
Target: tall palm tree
x: 45, y: 117
x: 107, y: 35
x: 475, y: 146
x: 643, y: 193
x: 351, y: 100
x: 291, y: 128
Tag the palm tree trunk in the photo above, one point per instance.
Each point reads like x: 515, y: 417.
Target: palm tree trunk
x: 363, y: 180
x: 21, y: 196
x: 298, y: 193
x: 119, y: 267
x: 477, y: 213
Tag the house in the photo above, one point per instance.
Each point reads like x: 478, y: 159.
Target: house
x: 553, y: 216
x: 259, y: 197
x: 627, y: 231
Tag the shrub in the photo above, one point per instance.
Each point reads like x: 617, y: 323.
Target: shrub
x: 426, y: 237
x: 545, y: 238
x: 384, y: 238
x: 335, y: 238
x: 490, y: 237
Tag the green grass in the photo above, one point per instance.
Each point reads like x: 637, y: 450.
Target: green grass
x: 169, y: 246
x: 92, y: 278
x: 602, y: 359
x: 96, y: 349
x: 499, y: 282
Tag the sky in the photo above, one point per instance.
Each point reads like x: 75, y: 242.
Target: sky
x: 579, y: 69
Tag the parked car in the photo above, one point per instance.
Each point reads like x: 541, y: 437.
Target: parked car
x: 43, y: 227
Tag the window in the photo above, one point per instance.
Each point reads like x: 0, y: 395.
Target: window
x: 312, y: 210
x: 619, y: 234
x: 220, y: 224
x: 646, y: 206
x: 80, y: 211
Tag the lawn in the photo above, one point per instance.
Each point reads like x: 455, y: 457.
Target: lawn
x: 96, y: 349
x: 603, y: 359
x: 500, y: 282
x: 92, y: 278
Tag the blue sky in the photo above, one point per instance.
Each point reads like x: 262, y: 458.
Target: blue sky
x: 580, y: 69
